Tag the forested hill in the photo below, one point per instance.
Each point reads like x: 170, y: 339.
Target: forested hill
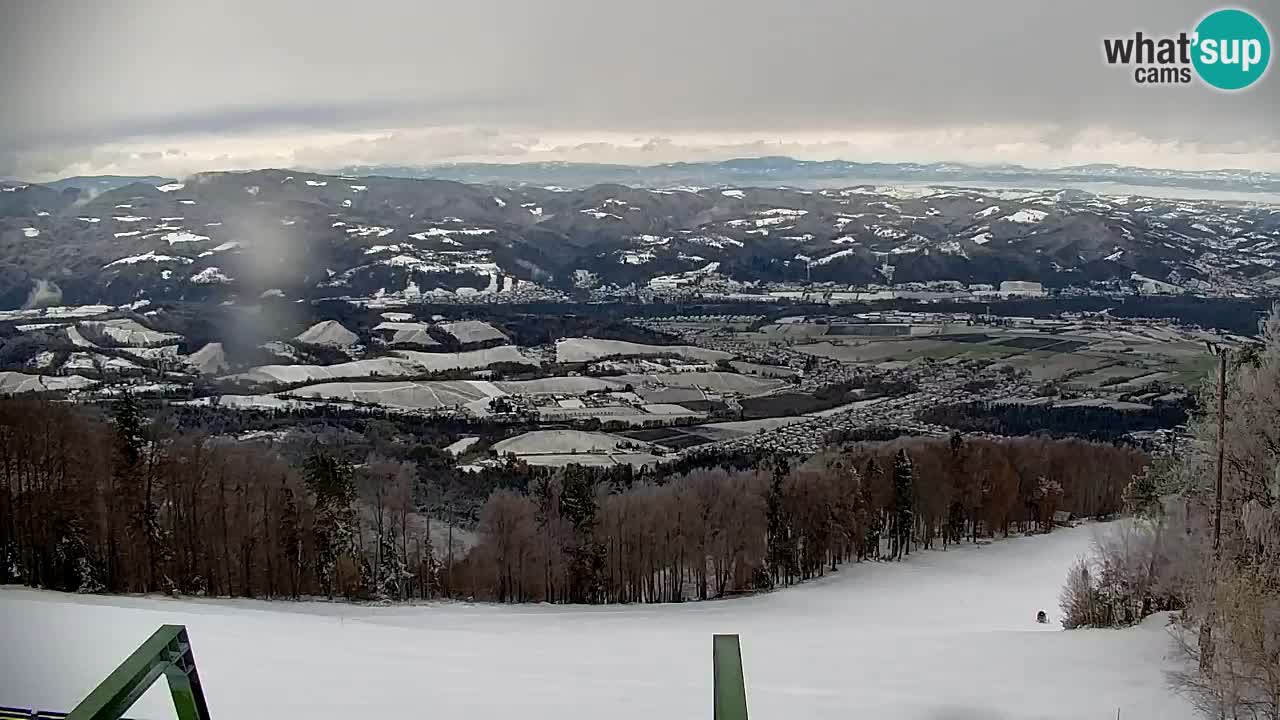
x: 121, y: 502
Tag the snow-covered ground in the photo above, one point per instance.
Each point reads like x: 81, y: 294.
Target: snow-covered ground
x: 944, y: 636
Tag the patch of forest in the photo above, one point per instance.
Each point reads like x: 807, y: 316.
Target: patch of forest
x: 826, y: 397
x: 116, y: 500
x: 1091, y: 422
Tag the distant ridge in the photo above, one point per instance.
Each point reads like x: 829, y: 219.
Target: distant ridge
x: 776, y: 170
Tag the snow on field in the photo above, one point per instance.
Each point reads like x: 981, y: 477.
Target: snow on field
x: 397, y: 333
x: 407, y: 396
x: 16, y: 382
x: 435, y: 394
x: 328, y: 332
x: 405, y: 363
x: 715, y: 381
x: 834, y: 256
x: 1027, y: 216
x: 124, y: 331
x: 52, y: 313
x: 232, y: 245
x: 209, y: 360
x: 269, y: 374
x: 149, y: 256
x: 576, y: 350
x: 249, y: 402
x: 546, y: 442
x: 182, y: 236
x: 461, y: 446
x: 942, y: 636
x: 471, y: 331
x: 569, y: 385
x: 635, y: 257
x: 210, y: 275
x: 715, y: 241
x: 468, y: 359
x: 75, y: 338
x: 42, y: 360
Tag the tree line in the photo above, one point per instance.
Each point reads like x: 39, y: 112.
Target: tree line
x: 122, y: 504
x: 1087, y: 421
x: 1209, y: 553
x: 718, y: 532
x: 95, y: 500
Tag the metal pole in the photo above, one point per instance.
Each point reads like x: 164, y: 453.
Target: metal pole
x: 1206, y: 628
x: 730, y: 693
x: 1222, y: 425
x: 167, y: 652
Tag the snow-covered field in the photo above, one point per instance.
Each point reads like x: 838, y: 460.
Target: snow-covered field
x: 944, y: 636
x: 403, y: 363
x: 551, y: 442
x: 714, y: 381
x: 472, y: 331
x: 579, y: 350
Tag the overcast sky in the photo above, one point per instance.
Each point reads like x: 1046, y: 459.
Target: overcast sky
x: 170, y: 88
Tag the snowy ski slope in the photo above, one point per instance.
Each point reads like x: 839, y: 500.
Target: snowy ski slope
x: 945, y: 636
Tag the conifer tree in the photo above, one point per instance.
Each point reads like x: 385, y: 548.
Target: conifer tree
x: 903, y: 501
x: 331, y: 481
x: 875, y: 524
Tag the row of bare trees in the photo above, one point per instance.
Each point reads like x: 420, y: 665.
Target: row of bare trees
x: 1207, y: 549
x: 110, y: 500
x: 116, y: 503
x: 713, y: 533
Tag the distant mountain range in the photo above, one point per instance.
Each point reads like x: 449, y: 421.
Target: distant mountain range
x: 777, y: 172
x: 219, y: 236
x: 103, y: 183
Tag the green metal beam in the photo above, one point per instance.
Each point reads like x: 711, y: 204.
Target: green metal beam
x: 167, y: 652
x: 730, y: 684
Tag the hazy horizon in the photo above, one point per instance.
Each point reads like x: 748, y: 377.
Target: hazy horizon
x: 170, y: 90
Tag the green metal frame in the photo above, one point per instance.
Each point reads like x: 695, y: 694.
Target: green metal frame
x: 167, y: 652
x: 730, y: 683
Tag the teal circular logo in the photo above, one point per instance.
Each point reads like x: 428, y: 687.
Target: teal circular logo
x: 1232, y: 49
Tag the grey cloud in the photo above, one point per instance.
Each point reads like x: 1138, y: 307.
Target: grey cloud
x: 90, y: 74
x: 418, y: 147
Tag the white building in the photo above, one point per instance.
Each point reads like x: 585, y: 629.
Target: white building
x: 1022, y: 288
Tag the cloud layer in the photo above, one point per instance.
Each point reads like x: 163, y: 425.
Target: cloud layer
x: 170, y: 88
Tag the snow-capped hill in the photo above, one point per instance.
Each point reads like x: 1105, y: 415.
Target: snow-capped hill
x: 318, y: 236
x: 328, y: 332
